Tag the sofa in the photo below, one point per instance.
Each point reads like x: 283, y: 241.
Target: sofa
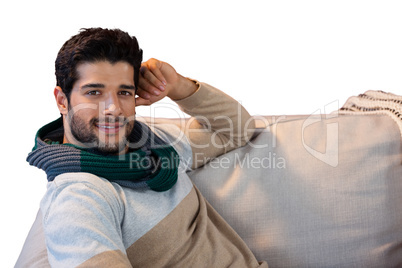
x: 306, y: 191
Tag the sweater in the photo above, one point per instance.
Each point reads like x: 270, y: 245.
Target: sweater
x: 90, y: 221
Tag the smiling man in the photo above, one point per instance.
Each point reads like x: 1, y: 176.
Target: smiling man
x: 101, y: 106
x: 118, y: 192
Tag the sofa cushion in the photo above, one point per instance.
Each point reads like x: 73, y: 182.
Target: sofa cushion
x: 314, y: 192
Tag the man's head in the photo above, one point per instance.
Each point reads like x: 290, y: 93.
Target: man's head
x: 92, y: 45
x: 97, y: 73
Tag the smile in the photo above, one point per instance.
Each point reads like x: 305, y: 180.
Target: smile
x: 109, y: 128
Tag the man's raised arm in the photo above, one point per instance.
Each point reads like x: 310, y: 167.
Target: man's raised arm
x: 219, y: 123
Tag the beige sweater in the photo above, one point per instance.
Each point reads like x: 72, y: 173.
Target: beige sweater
x: 89, y: 221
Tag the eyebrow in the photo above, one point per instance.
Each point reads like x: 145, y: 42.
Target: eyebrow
x: 127, y: 87
x: 99, y: 85
x: 92, y: 85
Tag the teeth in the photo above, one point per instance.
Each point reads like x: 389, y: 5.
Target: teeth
x: 109, y: 127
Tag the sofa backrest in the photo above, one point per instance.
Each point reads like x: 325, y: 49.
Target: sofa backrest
x: 312, y: 191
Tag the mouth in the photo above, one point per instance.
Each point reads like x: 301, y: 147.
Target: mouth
x: 109, y: 128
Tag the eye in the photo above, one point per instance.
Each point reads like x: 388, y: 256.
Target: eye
x: 93, y: 93
x: 126, y: 93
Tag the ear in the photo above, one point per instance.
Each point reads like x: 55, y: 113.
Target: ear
x: 61, y: 100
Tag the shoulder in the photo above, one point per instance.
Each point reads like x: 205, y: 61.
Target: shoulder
x: 72, y: 191
x: 81, y: 180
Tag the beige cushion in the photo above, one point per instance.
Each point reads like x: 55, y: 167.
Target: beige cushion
x: 314, y: 192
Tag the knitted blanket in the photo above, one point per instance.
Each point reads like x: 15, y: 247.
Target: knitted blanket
x: 375, y: 102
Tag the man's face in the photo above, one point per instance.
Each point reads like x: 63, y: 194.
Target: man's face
x: 102, y: 106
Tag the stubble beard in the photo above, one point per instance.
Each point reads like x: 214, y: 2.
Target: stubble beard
x: 88, y: 134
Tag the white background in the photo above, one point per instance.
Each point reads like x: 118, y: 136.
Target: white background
x: 275, y: 57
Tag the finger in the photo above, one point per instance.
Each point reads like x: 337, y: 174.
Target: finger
x: 139, y: 101
x: 144, y: 86
x: 151, y: 71
x: 155, y: 66
x: 142, y: 93
x: 151, y: 79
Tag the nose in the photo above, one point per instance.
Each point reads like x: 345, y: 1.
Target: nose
x: 112, y: 106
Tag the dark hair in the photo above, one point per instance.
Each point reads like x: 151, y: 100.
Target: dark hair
x: 92, y: 45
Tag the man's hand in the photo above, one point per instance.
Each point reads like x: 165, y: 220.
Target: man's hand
x: 158, y: 79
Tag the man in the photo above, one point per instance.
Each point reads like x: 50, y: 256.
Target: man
x: 118, y: 193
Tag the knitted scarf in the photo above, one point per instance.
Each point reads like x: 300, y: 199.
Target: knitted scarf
x: 153, y: 165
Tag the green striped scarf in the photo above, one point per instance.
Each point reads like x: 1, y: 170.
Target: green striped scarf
x: 154, y: 165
